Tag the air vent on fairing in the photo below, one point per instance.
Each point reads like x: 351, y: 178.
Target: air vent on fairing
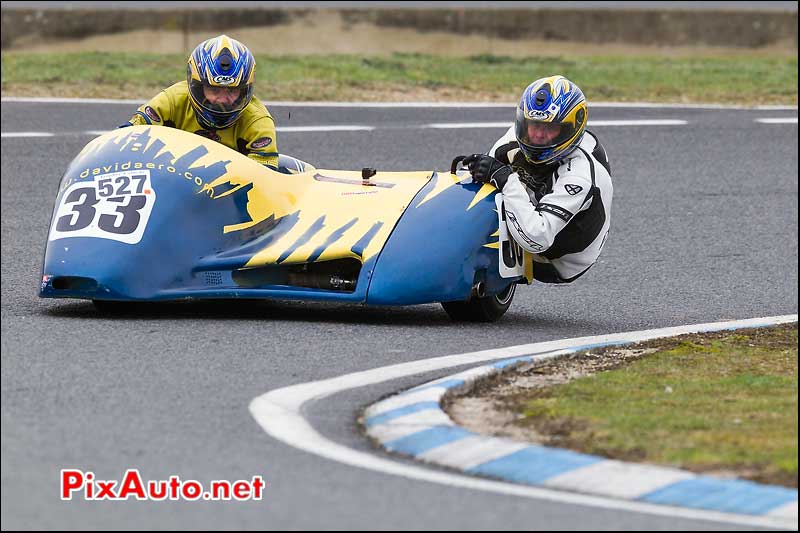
x: 74, y: 283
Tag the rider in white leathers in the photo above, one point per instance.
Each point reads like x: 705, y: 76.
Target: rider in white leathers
x: 554, y: 178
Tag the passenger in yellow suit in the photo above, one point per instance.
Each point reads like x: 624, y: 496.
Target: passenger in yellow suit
x: 216, y: 101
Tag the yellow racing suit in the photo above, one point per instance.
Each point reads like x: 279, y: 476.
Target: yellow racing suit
x: 253, y: 133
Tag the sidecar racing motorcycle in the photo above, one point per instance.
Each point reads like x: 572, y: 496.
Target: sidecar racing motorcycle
x: 150, y: 213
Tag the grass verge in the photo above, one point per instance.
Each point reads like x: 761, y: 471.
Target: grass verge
x: 723, y: 403
x: 720, y: 403
x: 728, y: 80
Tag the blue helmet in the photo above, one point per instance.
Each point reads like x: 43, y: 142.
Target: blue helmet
x: 220, y: 75
x: 551, y: 120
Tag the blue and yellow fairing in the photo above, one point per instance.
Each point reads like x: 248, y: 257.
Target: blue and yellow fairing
x: 155, y: 213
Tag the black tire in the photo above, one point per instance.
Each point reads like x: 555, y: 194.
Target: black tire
x: 486, y: 309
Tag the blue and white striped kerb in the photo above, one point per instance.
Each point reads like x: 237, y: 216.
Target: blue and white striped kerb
x: 412, y: 423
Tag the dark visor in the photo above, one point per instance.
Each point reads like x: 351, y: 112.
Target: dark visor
x: 538, y: 134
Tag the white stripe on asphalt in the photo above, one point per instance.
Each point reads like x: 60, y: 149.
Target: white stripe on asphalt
x: 467, y: 105
x: 592, y: 123
x: 655, y: 122
x: 345, y: 127
x: 471, y: 451
x: 390, y: 432
x: 26, y: 134
x: 360, y: 127
x: 432, y: 394
x: 293, y: 129
x: 280, y: 414
x: 465, y: 376
x: 49, y: 100
x: 460, y: 125
x: 788, y: 510
x: 638, y: 479
x: 437, y: 125
x: 432, y: 416
x: 777, y: 120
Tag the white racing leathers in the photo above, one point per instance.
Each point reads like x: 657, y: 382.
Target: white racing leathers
x: 563, y: 215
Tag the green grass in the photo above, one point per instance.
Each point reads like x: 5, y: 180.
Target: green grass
x: 728, y: 403
x: 739, y: 80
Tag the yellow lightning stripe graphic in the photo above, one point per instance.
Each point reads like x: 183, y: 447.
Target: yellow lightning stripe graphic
x: 96, y: 144
x: 443, y: 182
x: 482, y: 193
x: 271, y: 254
x: 340, y: 203
x: 164, y: 149
x: 319, y: 214
x: 495, y: 245
x: 178, y: 146
x: 260, y: 206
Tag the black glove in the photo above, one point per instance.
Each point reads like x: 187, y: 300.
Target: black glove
x: 487, y: 169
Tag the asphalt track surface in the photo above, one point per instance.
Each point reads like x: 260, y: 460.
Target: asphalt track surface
x: 704, y: 228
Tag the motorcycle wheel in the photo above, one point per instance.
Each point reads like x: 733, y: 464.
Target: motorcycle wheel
x: 485, y: 309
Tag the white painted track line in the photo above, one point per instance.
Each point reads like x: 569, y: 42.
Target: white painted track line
x: 592, y: 123
x: 343, y: 127
x: 359, y: 127
x: 466, y: 105
x: 26, y: 134
x: 787, y: 120
x: 280, y: 414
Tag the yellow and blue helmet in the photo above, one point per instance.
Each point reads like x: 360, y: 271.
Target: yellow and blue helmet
x: 551, y: 120
x: 220, y: 74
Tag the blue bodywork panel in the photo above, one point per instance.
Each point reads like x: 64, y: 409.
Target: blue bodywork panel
x: 153, y: 213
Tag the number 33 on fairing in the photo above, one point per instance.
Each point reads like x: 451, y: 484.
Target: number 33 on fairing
x: 114, y: 206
